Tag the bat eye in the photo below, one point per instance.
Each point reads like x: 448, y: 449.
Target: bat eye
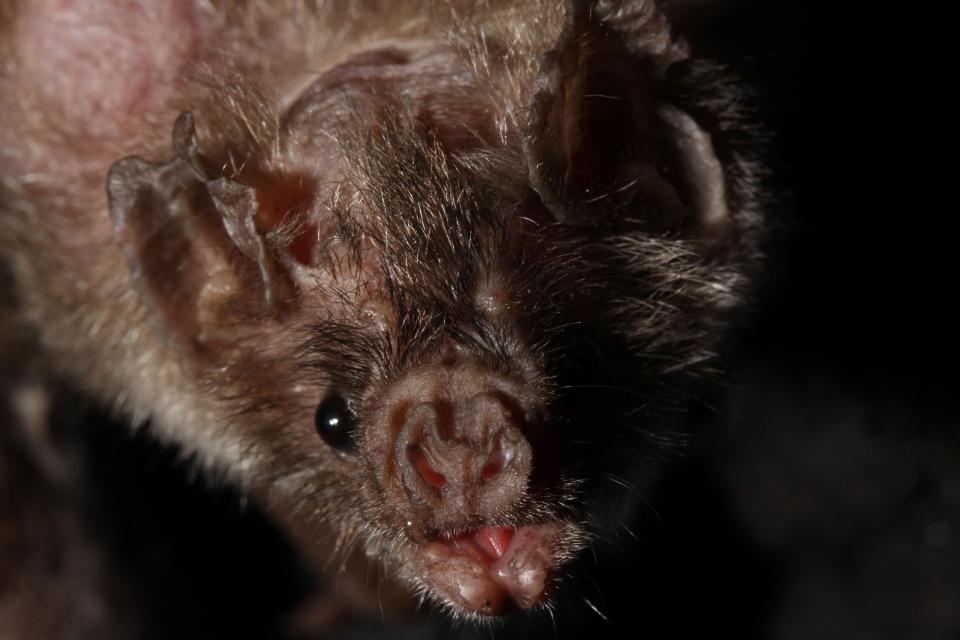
x: 336, y: 423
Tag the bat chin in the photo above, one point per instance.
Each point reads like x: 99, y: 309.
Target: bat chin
x: 491, y: 570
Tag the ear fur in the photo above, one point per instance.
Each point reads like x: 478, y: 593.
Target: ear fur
x: 602, y: 144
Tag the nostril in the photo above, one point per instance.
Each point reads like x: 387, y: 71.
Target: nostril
x: 497, y: 461
x: 421, y: 463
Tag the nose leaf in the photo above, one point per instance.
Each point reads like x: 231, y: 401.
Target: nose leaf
x: 466, y: 463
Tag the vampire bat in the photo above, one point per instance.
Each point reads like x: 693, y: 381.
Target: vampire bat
x: 422, y: 279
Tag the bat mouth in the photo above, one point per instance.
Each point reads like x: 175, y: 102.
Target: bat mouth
x: 493, y: 569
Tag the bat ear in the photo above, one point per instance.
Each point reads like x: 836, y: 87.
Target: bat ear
x: 201, y: 266
x: 602, y: 143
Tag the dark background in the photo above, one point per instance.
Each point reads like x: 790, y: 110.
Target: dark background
x: 821, y: 495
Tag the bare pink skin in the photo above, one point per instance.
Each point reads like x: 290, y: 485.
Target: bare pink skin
x: 489, y: 570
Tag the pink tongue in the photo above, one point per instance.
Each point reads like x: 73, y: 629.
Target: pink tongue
x: 485, y: 545
x: 494, y: 540
x: 486, y: 570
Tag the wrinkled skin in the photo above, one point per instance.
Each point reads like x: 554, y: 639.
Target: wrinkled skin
x: 474, y: 246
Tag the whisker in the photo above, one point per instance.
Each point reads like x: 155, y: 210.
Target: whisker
x: 596, y: 610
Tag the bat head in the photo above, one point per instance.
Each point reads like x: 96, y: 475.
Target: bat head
x: 442, y: 316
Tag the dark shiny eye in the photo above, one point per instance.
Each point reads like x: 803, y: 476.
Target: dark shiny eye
x: 335, y: 423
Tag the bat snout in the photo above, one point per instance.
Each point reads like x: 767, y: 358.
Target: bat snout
x: 463, y: 459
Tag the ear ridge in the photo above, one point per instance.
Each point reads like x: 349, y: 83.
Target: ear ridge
x: 238, y: 207
x: 192, y: 244
x: 702, y: 168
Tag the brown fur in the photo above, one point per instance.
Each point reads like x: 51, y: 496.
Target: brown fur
x: 431, y: 202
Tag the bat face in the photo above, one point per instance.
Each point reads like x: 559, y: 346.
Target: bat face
x: 432, y: 297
